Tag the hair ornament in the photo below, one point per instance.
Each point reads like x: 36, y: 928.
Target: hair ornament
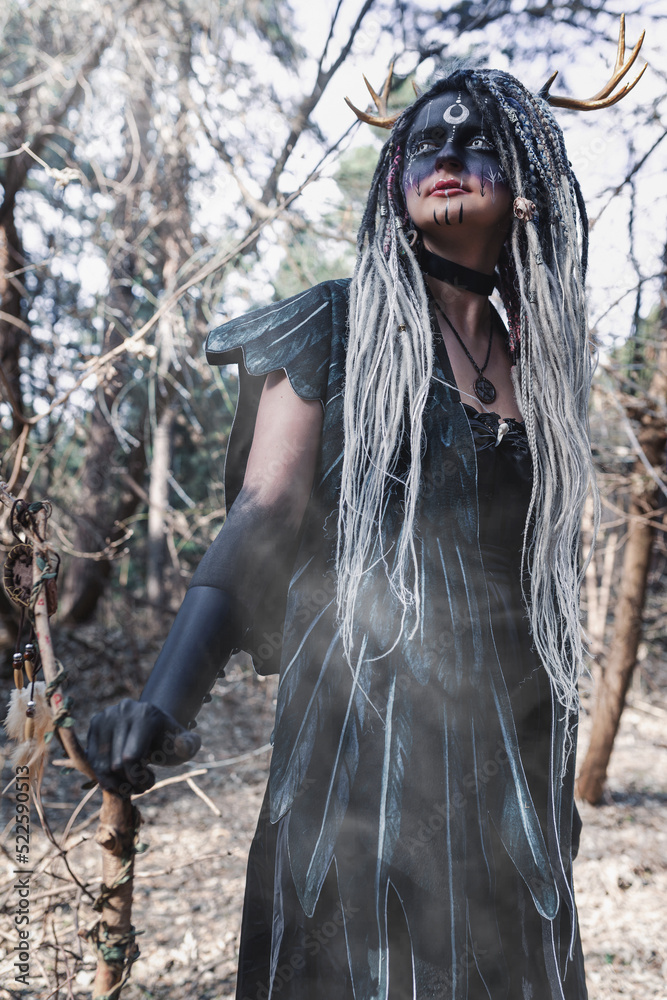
x: 603, y: 99
x: 524, y: 209
x: 383, y: 119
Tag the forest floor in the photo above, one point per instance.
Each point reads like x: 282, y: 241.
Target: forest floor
x: 189, y: 884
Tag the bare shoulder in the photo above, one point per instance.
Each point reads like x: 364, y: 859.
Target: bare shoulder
x: 286, y: 441
x: 282, y: 411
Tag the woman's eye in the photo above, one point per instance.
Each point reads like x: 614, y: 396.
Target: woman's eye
x: 425, y: 145
x: 480, y: 142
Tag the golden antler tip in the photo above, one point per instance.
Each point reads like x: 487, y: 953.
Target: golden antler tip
x: 383, y: 119
x: 605, y: 97
x: 387, y: 82
x: 380, y: 121
x: 376, y: 97
x: 544, y: 92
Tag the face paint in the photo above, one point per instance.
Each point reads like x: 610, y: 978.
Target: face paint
x: 450, y: 155
x: 457, y: 113
x: 453, y: 130
x: 447, y: 219
x: 495, y: 177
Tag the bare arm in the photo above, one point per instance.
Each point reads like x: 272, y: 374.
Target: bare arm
x: 267, y: 514
x: 253, y: 543
x: 285, y: 444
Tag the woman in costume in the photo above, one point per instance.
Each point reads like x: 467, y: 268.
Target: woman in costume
x: 408, y: 478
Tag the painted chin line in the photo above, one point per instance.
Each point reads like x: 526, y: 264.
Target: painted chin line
x: 448, y: 218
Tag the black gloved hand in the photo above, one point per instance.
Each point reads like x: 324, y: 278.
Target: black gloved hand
x: 127, y: 739
x: 124, y: 741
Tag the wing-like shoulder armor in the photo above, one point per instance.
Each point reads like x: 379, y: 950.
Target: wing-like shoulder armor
x: 294, y: 335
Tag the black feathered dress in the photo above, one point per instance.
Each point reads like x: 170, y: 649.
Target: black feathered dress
x: 416, y: 838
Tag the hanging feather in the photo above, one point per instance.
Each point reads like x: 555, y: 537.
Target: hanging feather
x: 28, y: 721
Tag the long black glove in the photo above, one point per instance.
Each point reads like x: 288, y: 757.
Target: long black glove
x: 125, y: 739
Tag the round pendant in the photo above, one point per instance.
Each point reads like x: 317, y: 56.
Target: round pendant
x: 485, y: 390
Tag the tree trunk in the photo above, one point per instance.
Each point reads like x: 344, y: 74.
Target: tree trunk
x: 175, y: 245
x: 12, y: 327
x: 615, y: 680
x: 98, y: 507
x: 157, y: 506
x: 101, y: 500
x: 14, y: 176
x: 646, y: 497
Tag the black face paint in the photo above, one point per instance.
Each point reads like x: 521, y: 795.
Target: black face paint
x: 448, y: 136
x: 495, y: 177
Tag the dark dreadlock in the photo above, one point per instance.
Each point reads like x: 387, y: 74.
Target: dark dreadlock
x: 541, y: 271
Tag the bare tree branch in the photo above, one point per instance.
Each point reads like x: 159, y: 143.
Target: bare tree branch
x: 634, y: 170
x: 308, y: 105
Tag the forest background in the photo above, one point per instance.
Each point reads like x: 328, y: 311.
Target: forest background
x: 166, y: 166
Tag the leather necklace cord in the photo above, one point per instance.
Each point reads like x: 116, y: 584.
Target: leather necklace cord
x: 484, y: 388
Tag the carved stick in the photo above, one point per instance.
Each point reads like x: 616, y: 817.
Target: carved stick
x: 112, y: 935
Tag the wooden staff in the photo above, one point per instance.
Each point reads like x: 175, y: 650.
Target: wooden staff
x: 112, y: 934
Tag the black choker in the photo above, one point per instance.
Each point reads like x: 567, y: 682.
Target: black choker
x: 456, y: 274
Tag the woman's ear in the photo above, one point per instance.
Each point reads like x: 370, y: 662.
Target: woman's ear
x: 413, y: 236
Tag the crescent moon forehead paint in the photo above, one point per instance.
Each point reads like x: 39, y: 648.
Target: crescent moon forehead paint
x: 456, y: 113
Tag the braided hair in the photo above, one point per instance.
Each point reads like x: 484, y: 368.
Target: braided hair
x: 542, y: 270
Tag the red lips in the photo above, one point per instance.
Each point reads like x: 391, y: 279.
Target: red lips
x: 447, y: 187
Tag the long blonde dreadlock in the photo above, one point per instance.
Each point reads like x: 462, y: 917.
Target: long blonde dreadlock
x: 542, y: 274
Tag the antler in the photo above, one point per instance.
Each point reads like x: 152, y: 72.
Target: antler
x: 384, y: 119
x: 604, y: 98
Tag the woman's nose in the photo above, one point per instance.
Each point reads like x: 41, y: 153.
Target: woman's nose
x: 448, y: 157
